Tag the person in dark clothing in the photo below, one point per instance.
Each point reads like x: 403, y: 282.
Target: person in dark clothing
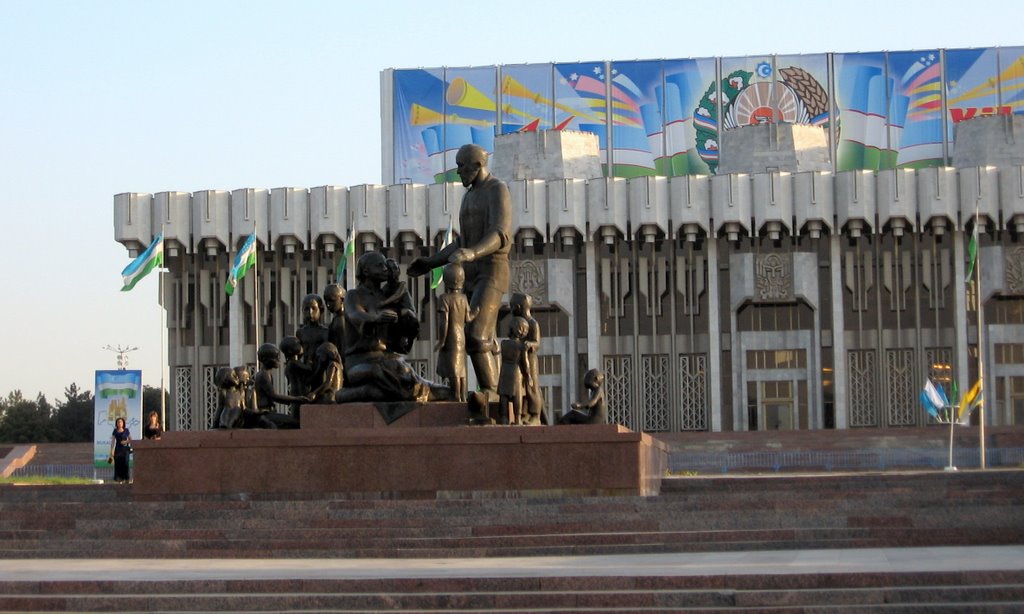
x: 152, y: 429
x: 120, y: 448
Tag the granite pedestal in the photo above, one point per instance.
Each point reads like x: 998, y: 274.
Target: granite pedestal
x: 426, y: 453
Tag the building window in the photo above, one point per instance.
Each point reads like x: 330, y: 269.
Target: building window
x: 777, y: 359
x: 1009, y: 353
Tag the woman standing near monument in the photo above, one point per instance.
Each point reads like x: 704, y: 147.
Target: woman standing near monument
x: 120, y: 448
x: 152, y: 429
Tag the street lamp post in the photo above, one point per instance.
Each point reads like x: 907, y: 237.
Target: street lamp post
x: 122, y: 355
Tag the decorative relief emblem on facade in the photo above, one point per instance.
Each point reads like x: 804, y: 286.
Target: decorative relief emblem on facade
x: 1015, y: 270
x: 774, y: 277
x: 530, y: 278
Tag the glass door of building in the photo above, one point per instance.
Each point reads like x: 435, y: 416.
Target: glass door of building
x: 774, y: 406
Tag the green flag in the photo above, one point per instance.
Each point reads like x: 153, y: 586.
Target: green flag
x: 245, y: 259
x: 152, y: 258
x: 437, y: 273
x: 346, y: 254
x: 972, y: 254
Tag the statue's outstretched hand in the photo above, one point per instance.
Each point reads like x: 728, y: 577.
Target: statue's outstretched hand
x: 417, y: 267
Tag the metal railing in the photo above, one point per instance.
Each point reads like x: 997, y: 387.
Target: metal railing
x: 88, y: 472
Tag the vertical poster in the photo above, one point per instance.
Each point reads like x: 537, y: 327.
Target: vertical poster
x: 862, y: 97
x: 471, y: 113
x: 915, y: 121
x: 776, y: 90
x: 436, y: 111
x: 418, y: 125
x: 689, y: 116
x: 118, y: 395
x: 638, y: 133
x: 981, y: 82
x: 1011, y: 79
x: 527, y: 98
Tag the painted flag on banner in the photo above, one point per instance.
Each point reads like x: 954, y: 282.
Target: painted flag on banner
x: 933, y: 398
x: 973, y: 398
x: 347, y: 253
x: 148, y: 260
x: 438, y: 273
x: 245, y: 259
x: 118, y: 384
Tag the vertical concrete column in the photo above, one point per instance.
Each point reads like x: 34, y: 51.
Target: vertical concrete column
x: 714, y: 339
x: 840, y: 377
x: 593, y: 308
x: 960, y: 309
x: 236, y: 332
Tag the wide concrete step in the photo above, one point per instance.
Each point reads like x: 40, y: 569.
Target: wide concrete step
x: 905, y: 592
x: 313, y: 546
x: 691, y: 515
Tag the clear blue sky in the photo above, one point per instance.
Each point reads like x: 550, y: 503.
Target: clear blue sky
x: 98, y: 98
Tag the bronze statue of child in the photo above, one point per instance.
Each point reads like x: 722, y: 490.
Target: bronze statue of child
x: 514, y: 373
x: 326, y: 379
x: 252, y: 417
x: 593, y: 410
x: 521, y: 306
x: 266, y: 396
x: 404, y: 332
x: 453, y: 313
x: 231, y: 399
x: 334, y: 299
x: 312, y: 332
x: 296, y: 372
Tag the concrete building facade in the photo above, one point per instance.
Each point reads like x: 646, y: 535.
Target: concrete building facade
x: 775, y: 298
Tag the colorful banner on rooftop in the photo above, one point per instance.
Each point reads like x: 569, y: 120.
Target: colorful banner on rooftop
x: 664, y: 117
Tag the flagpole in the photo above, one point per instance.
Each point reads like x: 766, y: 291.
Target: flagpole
x: 981, y: 345
x: 256, y: 290
x: 952, y: 421
x: 350, y: 273
x: 163, y: 341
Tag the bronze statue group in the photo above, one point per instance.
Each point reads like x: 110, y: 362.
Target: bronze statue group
x: 360, y: 354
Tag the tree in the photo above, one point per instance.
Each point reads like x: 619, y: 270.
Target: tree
x: 75, y: 415
x: 26, y: 421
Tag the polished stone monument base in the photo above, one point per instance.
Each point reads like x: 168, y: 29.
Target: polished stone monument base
x: 403, y: 461
x: 383, y: 415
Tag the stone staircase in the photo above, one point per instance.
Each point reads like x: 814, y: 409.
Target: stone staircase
x: 692, y: 515
x: 704, y: 514
x: 735, y: 513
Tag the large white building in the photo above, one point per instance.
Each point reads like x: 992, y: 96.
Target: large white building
x: 780, y: 293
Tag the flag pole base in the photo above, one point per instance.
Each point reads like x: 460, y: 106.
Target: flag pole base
x: 950, y: 468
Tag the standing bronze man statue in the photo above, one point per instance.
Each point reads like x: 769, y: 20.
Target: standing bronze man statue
x: 485, y: 222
